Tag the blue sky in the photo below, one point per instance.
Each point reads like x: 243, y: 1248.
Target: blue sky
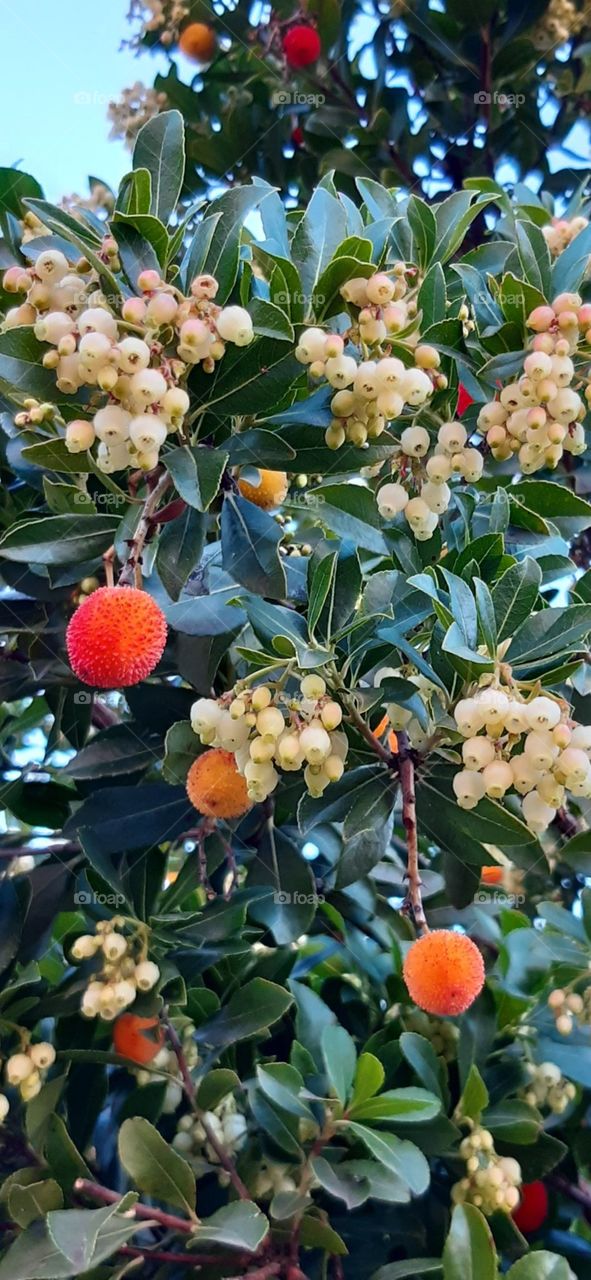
x: 61, y: 65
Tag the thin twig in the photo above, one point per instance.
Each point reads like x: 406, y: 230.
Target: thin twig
x: 144, y: 528
x: 406, y: 768
x: 94, y: 1191
x: 189, y: 1086
x: 571, y: 1190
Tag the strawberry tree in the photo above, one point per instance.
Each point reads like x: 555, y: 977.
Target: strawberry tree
x: 296, y: 734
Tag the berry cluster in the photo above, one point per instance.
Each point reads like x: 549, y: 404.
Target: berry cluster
x: 526, y: 747
x: 559, y: 233
x: 442, y: 1035
x: 561, y: 21
x: 372, y: 386
x: 166, y: 1060
x: 125, y: 969
x: 25, y: 1070
x: 422, y: 492
x: 547, y: 1087
x: 132, y: 110
x: 191, y: 1140
x: 134, y: 362
x: 265, y: 727
x: 539, y: 417
x: 492, y: 1181
x: 569, y: 1008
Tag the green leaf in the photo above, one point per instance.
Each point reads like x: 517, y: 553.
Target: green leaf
x: 421, y: 1055
x: 411, y: 1267
x: 469, y: 1252
x: 27, y: 1204
x: 88, y: 1235
x: 197, y: 473
x: 181, y: 749
x: 221, y: 257
x: 179, y: 549
x: 486, y: 614
x: 403, y: 1106
x: 322, y: 577
x: 474, y: 1096
x: 16, y: 186
x: 150, y: 229
x: 238, y: 1226
x: 282, y: 1085
x: 58, y: 539
x: 216, y: 1086
x: 154, y: 1166
x: 250, y: 1011
x: 432, y: 297
x: 424, y: 230
x: 340, y: 1060
x: 369, y: 1078
x: 549, y: 632
x: 401, y: 1157
x: 541, y: 1266
x: 319, y: 233
x: 351, y: 511
x: 514, y: 596
x: 270, y: 321
x: 160, y: 148
x: 21, y: 367
x: 250, y: 540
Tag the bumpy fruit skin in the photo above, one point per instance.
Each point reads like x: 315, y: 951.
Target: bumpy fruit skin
x: 198, y: 42
x: 491, y: 875
x: 116, y: 637
x: 130, y: 1040
x: 444, y: 972
x: 532, y: 1210
x: 301, y: 45
x: 215, y: 787
x: 271, y: 491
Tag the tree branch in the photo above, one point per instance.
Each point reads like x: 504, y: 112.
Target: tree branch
x: 189, y: 1086
x: 144, y: 529
x: 406, y: 768
x: 94, y: 1191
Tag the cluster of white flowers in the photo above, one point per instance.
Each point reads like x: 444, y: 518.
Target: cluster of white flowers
x: 492, y: 1182
x: 559, y: 233
x: 167, y: 1060
x: 265, y: 727
x: 569, y: 1008
x: 539, y: 417
x: 228, y: 1124
x: 25, y: 1071
x: 271, y: 1180
x: 125, y: 969
x: 129, y: 113
x: 162, y: 17
x: 547, y: 1087
x: 372, y: 387
x: 441, y: 1033
x: 134, y: 361
x: 400, y: 717
x: 422, y: 491
x: 526, y: 747
x: 560, y: 22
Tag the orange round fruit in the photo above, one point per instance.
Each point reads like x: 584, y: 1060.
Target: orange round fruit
x: 116, y: 637
x: 198, y: 42
x: 270, y: 492
x: 444, y: 972
x: 131, y: 1041
x: 492, y: 875
x: 215, y: 787
x: 532, y: 1210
